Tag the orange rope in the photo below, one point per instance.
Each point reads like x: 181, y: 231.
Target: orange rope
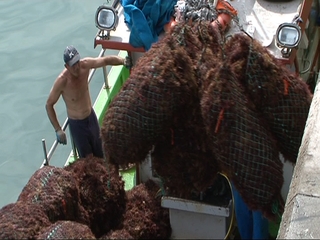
x: 219, y: 120
x: 64, y: 205
x: 224, y: 5
x: 286, y: 86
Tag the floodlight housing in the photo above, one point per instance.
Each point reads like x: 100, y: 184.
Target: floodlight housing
x: 288, y: 35
x: 106, y: 18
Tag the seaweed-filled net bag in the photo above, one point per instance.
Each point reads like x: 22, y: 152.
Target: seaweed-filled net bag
x: 242, y: 142
x: 162, y: 87
x: 66, y: 230
x: 21, y: 220
x: 159, y: 106
x: 56, y: 190
x: 282, y: 98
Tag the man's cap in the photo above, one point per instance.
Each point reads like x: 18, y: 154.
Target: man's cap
x: 71, y: 55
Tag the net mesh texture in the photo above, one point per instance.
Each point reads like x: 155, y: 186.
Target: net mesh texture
x: 66, y: 230
x: 57, y: 192
x: 208, y: 105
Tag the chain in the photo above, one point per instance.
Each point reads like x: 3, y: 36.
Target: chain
x: 205, y: 10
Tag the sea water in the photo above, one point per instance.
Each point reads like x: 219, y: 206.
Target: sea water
x: 33, y: 36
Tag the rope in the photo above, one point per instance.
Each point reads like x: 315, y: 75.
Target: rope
x: 233, y: 211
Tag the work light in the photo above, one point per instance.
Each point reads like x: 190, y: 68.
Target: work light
x: 288, y: 35
x: 106, y: 19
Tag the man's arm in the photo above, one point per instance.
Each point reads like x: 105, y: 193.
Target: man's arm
x: 111, y: 60
x: 51, y: 101
x: 54, y: 95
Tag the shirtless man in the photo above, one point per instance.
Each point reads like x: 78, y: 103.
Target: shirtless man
x: 72, y: 84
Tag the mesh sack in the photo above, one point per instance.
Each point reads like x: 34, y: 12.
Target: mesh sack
x: 102, y: 193
x: 144, y: 217
x: 243, y: 144
x: 282, y: 98
x: 22, y: 220
x: 209, y: 57
x: 161, y: 89
x: 66, y: 230
x: 146, y: 105
x: 56, y: 190
x: 182, y: 159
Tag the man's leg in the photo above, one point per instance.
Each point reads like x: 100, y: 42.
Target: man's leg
x: 79, y: 132
x: 96, y: 137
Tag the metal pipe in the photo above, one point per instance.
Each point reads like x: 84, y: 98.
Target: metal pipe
x: 105, y: 77
x: 46, y: 163
x: 54, y: 146
x: 74, y: 150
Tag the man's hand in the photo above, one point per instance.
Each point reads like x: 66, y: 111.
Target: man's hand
x: 127, y: 62
x: 61, y: 137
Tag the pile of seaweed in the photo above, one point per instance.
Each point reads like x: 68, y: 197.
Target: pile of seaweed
x: 84, y: 200
x: 208, y: 105
x: 144, y: 217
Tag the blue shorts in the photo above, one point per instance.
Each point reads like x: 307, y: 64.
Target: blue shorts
x: 86, y: 136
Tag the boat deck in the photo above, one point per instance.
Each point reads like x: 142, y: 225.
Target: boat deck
x: 253, y: 17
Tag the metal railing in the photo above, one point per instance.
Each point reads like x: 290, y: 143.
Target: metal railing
x: 48, y: 156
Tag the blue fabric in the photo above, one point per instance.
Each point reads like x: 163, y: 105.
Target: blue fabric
x: 146, y: 19
x: 251, y: 224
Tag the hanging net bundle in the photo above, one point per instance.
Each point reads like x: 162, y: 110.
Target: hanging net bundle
x: 159, y: 90
x: 208, y: 106
x: 57, y: 192
x: 22, y: 220
x: 282, y: 98
x: 184, y: 154
x: 242, y: 142
x: 66, y: 230
x: 102, y: 192
x: 159, y: 106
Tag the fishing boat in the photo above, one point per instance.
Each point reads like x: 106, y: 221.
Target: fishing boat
x: 287, y: 29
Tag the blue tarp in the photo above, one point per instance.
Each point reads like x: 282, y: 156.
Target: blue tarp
x: 146, y: 19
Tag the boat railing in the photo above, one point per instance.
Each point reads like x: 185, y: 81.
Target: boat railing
x: 48, y: 155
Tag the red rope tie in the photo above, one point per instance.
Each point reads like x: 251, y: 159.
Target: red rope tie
x: 64, y: 205
x: 226, y: 6
x: 286, y: 86
x: 220, y: 118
